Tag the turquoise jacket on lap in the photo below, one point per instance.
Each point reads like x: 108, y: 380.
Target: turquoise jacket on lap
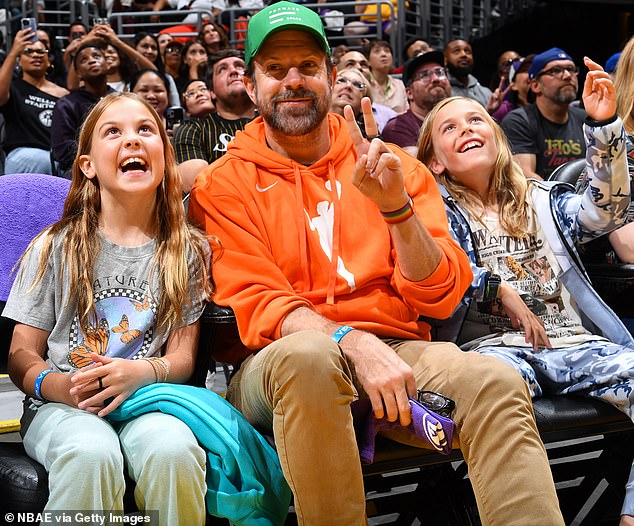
x: 245, y: 483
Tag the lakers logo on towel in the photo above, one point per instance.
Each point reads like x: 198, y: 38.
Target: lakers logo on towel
x: 434, y: 433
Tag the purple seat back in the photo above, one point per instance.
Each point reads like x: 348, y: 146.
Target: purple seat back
x: 28, y: 204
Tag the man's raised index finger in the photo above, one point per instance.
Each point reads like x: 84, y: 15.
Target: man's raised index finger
x: 353, y: 127
x: 371, y: 129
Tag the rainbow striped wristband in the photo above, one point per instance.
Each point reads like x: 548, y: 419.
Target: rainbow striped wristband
x: 398, y: 216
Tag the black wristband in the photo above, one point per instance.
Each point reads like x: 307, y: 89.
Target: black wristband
x: 492, y: 287
x: 595, y: 124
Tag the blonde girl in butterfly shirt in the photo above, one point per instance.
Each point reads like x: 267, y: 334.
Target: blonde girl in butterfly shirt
x: 108, y: 300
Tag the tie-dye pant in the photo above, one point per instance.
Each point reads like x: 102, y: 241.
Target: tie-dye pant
x: 600, y: 369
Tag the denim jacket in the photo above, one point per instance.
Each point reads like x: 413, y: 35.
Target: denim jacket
x: 567, y: 219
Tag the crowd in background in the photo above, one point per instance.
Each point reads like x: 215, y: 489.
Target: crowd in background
x: 195, y: 85
x: 476, y: 244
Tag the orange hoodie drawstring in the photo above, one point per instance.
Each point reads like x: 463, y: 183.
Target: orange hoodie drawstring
x: 336, y: 236
x: 301, y: 226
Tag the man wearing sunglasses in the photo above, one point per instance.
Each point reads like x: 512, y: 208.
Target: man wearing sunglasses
x: 549, y: 132
x: 426, y: 83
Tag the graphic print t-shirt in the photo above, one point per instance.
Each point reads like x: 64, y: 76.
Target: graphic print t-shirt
x: 529, y: 266
x: 29, y: 115
x: 125, y: 302
x: 553, y: 144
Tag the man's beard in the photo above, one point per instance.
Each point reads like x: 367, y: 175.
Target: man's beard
x: 294, y: 121
x: 459, y: 71
x: 565, y: 95
x: 433, y: 97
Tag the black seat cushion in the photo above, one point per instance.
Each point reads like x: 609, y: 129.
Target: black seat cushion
x: 23, y: 481
x: 557, y: 417
x: 568, y: 172
x: 615, y: 285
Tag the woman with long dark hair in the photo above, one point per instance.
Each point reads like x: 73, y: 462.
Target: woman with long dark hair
x: 27, y: 104
x: 148, y: 45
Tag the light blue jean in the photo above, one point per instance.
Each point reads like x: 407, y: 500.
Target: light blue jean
x: 85, y: 455
x: 598, y: 369
x: 26, y: 160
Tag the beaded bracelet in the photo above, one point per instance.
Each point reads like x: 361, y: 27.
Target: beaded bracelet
x: 160, y: 367
x: 398, y: 216
x: 38, y: 383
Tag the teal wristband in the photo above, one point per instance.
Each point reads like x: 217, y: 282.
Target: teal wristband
x: 341, y: 332
x: 38, y: 383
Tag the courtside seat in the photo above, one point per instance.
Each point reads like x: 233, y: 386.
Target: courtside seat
x: 606, y: 437
x: 557, y: 417
x: 568, y: 172
x: 613, y: 282
x: 615, y: 285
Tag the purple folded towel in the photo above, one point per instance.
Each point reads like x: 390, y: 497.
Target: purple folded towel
x: 434, y: 428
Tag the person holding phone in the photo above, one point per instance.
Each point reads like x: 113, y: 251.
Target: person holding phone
x: 27, y: 104
x: 76, y: 33
x: 121, y: 58
x: 333, y: 247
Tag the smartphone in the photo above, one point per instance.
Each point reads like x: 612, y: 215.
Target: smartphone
x: 101, y: 21
x: 30, y: 23
x: 173, y: 117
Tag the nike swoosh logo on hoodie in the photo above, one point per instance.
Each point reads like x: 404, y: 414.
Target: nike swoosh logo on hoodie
x: 260, y: 189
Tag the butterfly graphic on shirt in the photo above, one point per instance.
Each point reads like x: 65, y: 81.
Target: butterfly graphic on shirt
x: 96, y: 340
x: 127, y: 334
x: 140, y: 306
x: 517, y: 269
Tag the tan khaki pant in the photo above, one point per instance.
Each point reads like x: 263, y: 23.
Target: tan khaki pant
x: 301, y: 387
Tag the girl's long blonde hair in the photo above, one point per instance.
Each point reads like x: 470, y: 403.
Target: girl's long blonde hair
x: 507, y: 187
x: 175, y: 238
x: 624, y: 84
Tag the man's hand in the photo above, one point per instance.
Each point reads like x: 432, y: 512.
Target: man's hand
x: 361, y: 144
x: 378, y: 173
x: 105, y: 32
x: 599, y: 94
x: 385, y: 377
x: 497, y: 97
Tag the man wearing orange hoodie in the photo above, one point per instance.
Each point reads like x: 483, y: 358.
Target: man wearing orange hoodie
x: 333, y: 247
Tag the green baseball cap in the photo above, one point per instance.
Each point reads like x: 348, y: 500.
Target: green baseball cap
x: 278, y: 16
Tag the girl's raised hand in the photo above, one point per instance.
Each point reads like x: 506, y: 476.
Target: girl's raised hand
x: 119, y: 379
x: 599, y: 94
